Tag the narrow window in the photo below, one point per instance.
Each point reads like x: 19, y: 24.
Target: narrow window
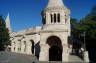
x: 54, y: 18
x: 58, y: 17
x: 18, y: 49
x: 65, y: 18
x: 44, y: 19
x: 25, y: 46
x: 14, y: 48
x: 32, y: 47
x: 51, y: 18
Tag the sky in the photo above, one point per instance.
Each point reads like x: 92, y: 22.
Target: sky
x: 27, y: 13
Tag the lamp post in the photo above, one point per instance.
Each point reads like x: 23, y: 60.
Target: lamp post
x: 86, y: 56
x: 84, y: 33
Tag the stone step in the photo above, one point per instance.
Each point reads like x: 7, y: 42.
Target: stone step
x: 73, y: 58
x: 50, y: 62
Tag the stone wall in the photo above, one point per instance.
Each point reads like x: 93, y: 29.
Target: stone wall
x: 21, y: 42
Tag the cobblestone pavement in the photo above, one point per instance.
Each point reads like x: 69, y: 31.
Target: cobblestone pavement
x: 9, y: 57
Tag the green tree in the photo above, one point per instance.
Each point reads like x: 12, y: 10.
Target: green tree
x: 74, y: 23
x: 4, y: 35
x: 88, y: 25
x: 74, y: 34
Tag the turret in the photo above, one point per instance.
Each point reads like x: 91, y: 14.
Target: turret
x: 8, y: 23
x: 56, y: 16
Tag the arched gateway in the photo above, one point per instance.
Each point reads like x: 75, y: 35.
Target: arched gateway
x: 55, y: 50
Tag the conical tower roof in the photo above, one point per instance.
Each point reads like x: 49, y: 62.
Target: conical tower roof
x: 55, y: 3
x: 8, y: 23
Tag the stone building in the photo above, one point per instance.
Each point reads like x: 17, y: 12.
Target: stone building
x: 48, y: 42
x: 55, y: 32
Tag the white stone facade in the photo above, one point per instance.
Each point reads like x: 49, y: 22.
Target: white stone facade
x: 57, y: 28
x: 56, y: 24
x: 22, y: 40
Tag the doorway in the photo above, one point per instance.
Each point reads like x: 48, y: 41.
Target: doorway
x: 55, y: 50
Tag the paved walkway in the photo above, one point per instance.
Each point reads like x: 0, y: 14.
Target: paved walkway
x: 9, y: 57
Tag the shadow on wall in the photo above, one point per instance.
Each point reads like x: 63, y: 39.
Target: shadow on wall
x: 37, y: 49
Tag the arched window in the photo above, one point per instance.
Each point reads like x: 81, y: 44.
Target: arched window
x: 14, y: 48
x: 44, y: 19
x: 54, y: 18
x: 51, y: 18
x: 32, y: 47
x: 25, y: 46
x: 58, y: 17
x: 19, y: 45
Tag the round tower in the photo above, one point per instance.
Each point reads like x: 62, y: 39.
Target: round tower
x: 56, y: 16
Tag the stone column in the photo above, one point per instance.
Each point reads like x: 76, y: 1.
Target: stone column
x: 48, y: 19
x: 12, y: 46
x: 65, y: 54
x: 69, y: 26
x: 62, y: 17
x: 16, y: 46
x: 70, y: 49
x: 86, y: 56
x: 26, y: 46
x: 44, y: 53
x: 29, y: 47
x: 22, y: 47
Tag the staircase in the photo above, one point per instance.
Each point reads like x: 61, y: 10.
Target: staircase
x: 74, y: 58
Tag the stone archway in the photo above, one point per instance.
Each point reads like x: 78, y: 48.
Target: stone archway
x: 55, y: 50
x: 25, y: 46
x: 32, y: 46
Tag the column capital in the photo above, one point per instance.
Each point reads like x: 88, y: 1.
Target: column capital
x: 45, y: 45
x: 65, y: 45
x: 44, y: 54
